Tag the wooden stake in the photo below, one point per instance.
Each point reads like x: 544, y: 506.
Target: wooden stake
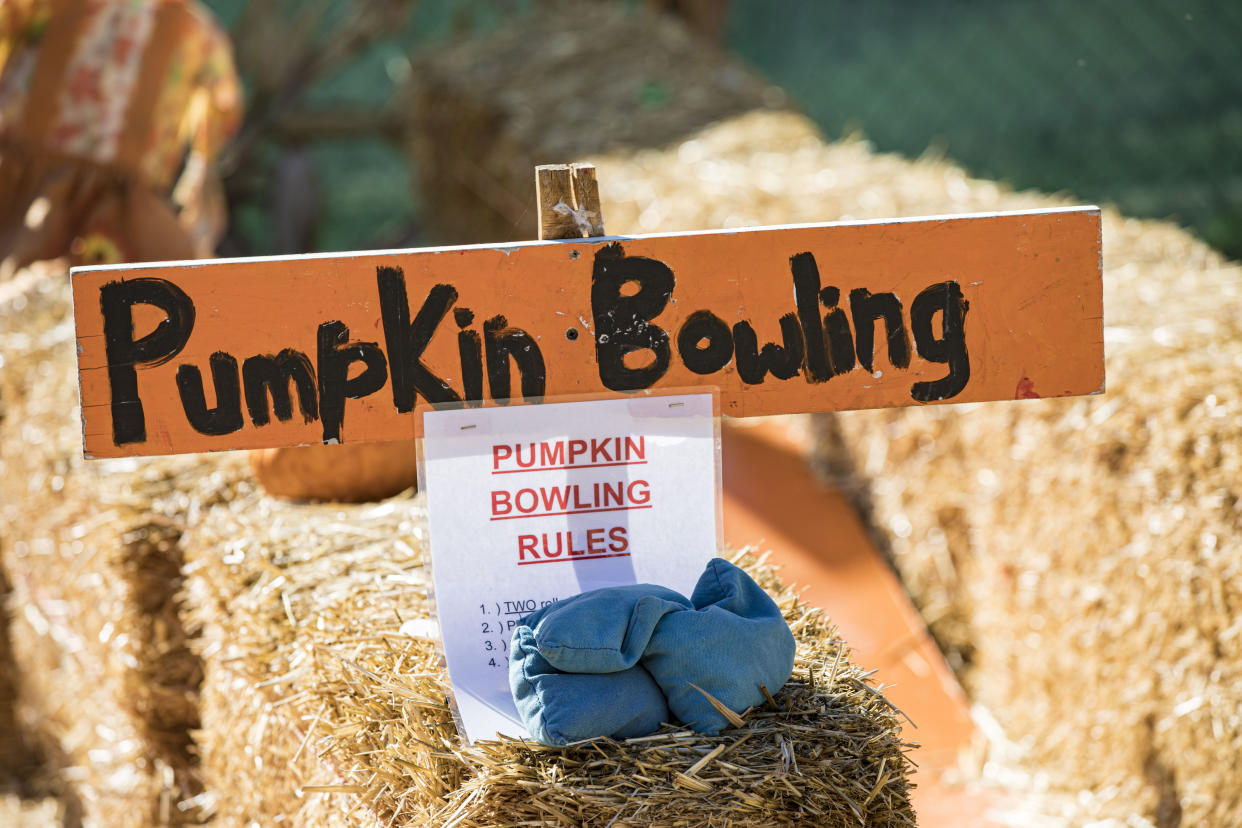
x: 554, y: 185
x: 568, y: 199
x: 586, y: 194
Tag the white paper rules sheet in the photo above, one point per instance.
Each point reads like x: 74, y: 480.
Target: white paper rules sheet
x: 533, y: 504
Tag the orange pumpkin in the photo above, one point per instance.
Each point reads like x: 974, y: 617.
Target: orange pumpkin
x: 352, y: 473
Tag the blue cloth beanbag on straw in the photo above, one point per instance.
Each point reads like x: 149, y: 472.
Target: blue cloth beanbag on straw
x: 619, y: 661
x: 574, y: 670
x: 734, y: 640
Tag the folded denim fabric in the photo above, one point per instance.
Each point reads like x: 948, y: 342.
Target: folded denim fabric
x: 734, y: 640
x: 573, y: 666
x: 604, y: 630
x: 620, y: 661
x: 558, y: 708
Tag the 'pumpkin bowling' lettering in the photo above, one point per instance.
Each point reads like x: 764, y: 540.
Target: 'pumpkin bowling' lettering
x: 247, y: 353
x: 817, y: 342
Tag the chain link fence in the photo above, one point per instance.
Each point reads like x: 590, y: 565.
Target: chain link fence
x: 1131, y: 102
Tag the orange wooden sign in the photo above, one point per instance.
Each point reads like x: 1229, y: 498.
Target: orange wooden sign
x: 228, y: 354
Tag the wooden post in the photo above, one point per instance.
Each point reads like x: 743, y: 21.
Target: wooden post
x: 586, y: 193
x: 568, y: 199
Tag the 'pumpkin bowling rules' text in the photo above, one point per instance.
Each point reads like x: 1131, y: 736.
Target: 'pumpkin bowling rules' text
x: 540, y: 499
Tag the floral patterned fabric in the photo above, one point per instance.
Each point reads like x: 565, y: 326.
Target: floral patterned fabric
x: 107, y: 106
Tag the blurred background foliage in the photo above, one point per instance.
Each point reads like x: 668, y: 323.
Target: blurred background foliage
x: 1131, y: 102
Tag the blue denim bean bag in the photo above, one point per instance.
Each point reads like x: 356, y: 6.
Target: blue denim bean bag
x: 612, y: 662
x: 573, y: 666
x: 733, y: 641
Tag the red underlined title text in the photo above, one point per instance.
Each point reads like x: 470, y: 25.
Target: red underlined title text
x: 514, y: 458
x: 537, y: 499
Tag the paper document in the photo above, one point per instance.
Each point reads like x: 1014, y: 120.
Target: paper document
x: 535, y: 503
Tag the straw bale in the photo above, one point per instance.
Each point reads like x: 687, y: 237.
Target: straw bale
x: 106, y: 685
x: 1108, y: 525
x: 15, y: 753
x: 325, y: 702
x: 16, y: 812
x: 554, y: 88
x: 771, y: 168
x: 1074, y: 558
x: 1081, y: 557
x: 1047, y: 538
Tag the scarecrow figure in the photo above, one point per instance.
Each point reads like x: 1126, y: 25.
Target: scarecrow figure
x: 111, y: 112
